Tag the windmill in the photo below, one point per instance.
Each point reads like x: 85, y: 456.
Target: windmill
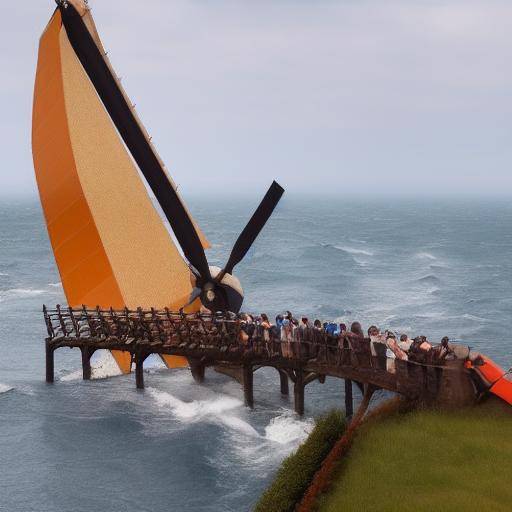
x: 90, y: 149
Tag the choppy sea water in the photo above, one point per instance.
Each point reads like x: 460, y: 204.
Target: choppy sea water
x: 433, y: 267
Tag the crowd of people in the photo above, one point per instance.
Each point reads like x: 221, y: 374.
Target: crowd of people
x: 290, y: 337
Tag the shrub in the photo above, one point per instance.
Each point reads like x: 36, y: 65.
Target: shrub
x: 297, y: 471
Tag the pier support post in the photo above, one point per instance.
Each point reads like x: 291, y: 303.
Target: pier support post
x: 349, y: 401
x: 49, y: 362
x: 283, y: 377
x: 197, y: 370
x: 247, y: 380
x: 298, y: 392
x: 87, y: 352
x: 369, y: 389
x: 140, y: 357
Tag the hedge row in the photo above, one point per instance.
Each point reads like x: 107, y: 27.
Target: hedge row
x: 297, y: 471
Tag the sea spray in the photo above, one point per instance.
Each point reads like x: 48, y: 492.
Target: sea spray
x: 103, y: 365
x: 4, y: 388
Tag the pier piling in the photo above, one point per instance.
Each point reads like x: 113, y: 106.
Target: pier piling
x: 49, y: 362
x: 298, y: 392
x: 247, y: 380
x: 197, y: 369
x: 139, y: 369
x: 283, y: 377
x: 86, y: 362
x: 216, y: 341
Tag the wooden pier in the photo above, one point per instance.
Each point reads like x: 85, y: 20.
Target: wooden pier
x: 216, y: 341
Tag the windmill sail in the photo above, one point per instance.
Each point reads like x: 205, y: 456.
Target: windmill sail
x: 110, y: 244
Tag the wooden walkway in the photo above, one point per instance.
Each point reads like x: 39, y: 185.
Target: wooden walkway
x: 216, y: 341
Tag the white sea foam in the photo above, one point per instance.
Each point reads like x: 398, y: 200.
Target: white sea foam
x: 18, y: 293
x: 353, y: 250
x: 3, y: 274
x: 55, y: 285
x: 4, y: 388
x: 154, y: 362
x: 425, y: 256
x: 103, y: 365
x: 70, y: 376
x: 216, y: 410
x: 282, y: 435
x: 288, y: 428
x: 474, y: 318
x: 22, y: 292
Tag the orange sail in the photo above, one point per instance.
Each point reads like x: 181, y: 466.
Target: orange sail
x: 111, y: 246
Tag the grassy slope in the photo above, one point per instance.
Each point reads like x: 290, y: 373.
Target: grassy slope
x: 428, y: 461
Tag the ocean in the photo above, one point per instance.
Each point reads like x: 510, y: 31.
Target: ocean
x: 426, y: 266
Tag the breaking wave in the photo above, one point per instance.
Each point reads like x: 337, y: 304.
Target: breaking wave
x: 215, y: 410
x: 283, y: 434
x: 287, y: 428
x: 352, y: 250
x: 428, y: 279
x: 284, y: 429
x: 103, y: 365
x: 21, y: 292
x: 4, y: 388
x: 425, y: 256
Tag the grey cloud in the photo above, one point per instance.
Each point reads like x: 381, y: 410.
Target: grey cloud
x: 399, y: 96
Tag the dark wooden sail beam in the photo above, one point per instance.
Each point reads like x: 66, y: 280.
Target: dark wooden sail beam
x: 207, y: 340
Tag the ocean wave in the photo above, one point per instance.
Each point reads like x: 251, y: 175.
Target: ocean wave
x: 288, y: 428
x: 3, y: 274
x: 69, y: 376
x: 283, y: 434
x: 55, y: 285
x: 473, y: 318
x: 425, y: 256
x: 428, y: 279
x: 18, y: 293
x: 103, y: 365
x: 22, y: 292
x: 353, y: 250
x: 216, y: 410
x: 4, y: 388
x: 437, y: 266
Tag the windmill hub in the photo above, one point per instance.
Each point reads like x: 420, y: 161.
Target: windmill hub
x: 220, y: 290
x: 222, y: 293
x: 210, y: 295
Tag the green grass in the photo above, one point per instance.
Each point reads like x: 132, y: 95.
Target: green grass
x: 297, y: 471
x: 428, y: 461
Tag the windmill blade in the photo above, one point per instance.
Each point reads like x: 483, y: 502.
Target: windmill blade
x: 121, y: 114
x: 253, y: 227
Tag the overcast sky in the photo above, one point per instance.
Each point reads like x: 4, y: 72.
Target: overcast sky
x: 349, y: 96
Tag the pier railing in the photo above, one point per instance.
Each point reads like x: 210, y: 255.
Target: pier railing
x: 226, y: 339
